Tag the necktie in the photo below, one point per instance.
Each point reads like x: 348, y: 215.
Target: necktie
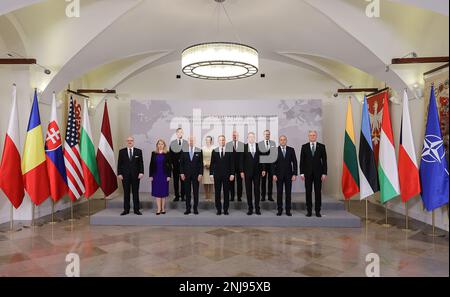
x: 313, y: 149
x: 130, y: 154
x: 284, y: 152
x: 221, y: 153
x: 179, y: 142
x: 252, y: 149
x: 267, y: 144
x: 235, y: 145
x: 190, y: 153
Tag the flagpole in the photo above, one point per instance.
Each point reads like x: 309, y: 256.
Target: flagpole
x: 32, y: 216
x: 89, y: 207
x: 71, y: 211
x: 367, y: 211
x: 386, y: 223
x: 53, y: 213
x: 11, y: 220
x: 433, y: 227
x: 406, y: 229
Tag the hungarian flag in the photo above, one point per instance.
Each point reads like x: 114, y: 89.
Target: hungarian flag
x: 87, y: 151
x: 34, y: 168
x: 387, y: 164
x: 350, y: 177
x: 55, y: 157
x: 408, y: 171
x: 72, y: 158
x: 105, y: 157
x: 368, y: 180
x: 11, y: 181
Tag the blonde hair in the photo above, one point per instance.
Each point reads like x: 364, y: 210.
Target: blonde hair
x: 165, y: 146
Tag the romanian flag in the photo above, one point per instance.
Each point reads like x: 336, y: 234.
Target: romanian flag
x: 350, y: 174
x: 34, y: 169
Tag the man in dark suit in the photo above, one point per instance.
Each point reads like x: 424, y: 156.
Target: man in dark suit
x: 130, y: 170
x: 176, y: 147
x: 268, y: 150
x: 251, y: 171
x: 191, y: 172
x: 285, y: 170
x: 237, y: 147
x: 222, y: 170
x: 313, y: 170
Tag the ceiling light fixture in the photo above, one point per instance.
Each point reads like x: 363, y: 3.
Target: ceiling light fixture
x: 220, y: 60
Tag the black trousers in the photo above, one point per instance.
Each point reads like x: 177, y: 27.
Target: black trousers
x: 133, y: 185
x: 219, y: 184
x: 316, y: 181
x: 286, y: 183
x: 252, y: 187
x: 177, y: 182
x: 237, y: 180
x: 191, y: 184
x: 267, y: 180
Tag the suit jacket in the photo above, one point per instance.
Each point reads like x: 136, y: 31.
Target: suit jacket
x: 316, y: 165
x: 130, y: 169
x: 175, y: 150
x: 237, y: 154
x: 268, y: 155
x: 249, y: 164
x: 167, y: 165
x: 194, y: 167
x: 222, y: 167
x: 285, y: 166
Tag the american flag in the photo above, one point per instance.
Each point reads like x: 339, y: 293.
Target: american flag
x: 72, y: 158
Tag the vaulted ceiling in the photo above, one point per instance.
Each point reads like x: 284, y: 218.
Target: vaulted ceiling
x: 113, y: 40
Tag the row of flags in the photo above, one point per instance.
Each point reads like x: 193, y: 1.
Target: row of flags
x: 403, y: 178
x: 49, y: 168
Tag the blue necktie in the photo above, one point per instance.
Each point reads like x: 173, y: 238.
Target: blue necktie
x: 191, y: 153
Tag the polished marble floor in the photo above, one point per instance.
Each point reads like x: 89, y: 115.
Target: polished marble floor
x: 222, y: 251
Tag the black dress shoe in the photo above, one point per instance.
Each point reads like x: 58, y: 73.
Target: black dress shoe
x: 182, y: 199
x: 232, y: 200
x: 219, y: 213
x: 226, y: 212
x: 288, y: 213
x: 195, y: 211
x: 258, y: 212
x: 318, y: 214
x: 187, y: 212
x: 163, y: 212
x: 176, y: 199
x: 279, y: 213
x: 263, y: 199
x: 137, y: 212
x: 271, y: 199
x: 124, y: 213
x: 309, y: 214
x: 249, y: 213
x: 240, y: 199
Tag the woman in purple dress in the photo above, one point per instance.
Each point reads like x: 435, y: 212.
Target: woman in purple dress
x: 160, y: 173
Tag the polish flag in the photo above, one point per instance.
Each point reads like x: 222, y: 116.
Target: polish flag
x: 11, y: 181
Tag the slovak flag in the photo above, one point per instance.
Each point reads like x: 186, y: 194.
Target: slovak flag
x: 55, y: 158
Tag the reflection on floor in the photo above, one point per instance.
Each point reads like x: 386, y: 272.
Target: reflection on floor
x: 222, y: 251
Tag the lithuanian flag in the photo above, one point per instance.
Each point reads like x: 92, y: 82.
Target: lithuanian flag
x: 350, y: 175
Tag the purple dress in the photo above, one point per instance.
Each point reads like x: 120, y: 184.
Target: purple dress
x: 160, y: 185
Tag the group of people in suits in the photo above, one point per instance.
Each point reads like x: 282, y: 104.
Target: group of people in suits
x: 228, y: 168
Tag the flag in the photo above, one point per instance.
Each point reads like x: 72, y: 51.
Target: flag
x: 11, y: 181
x: 72, y: 158
x: 408, y: 171
x: 433, y: 167
x: 87, y: 151
x: 34, y: 168
x: 387, y: 161
x: 55, y: 157
x: 350, y: 177
x: 105, y: 157
x: 368, y: 179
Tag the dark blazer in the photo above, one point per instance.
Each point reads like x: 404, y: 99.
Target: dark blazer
x: 175, y: 149
x: 130, y: 169
x: 250, y: 165
x: 269, y: 155
x: 167, y: 165
x: 194, y: 167
x: 316, y: 165
x: 285, y: 166
x: 222, y: 167
x: 237, y: 154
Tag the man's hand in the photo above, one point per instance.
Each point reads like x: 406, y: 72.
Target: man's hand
x: 324, y: 177
x: 294, y: 178
x: 151, y: 179
x: 302, y: 177
x: 183, y: 177
x: 120, y: 177
x: 168, y: 179
x: 231, y: 177
x: 141, y: 175
x: 275, y: 178
x: 263, y: 173
x: 200, y: 178
x: 242, y: 175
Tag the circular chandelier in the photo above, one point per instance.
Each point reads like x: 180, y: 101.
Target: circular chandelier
x: 220, y: 61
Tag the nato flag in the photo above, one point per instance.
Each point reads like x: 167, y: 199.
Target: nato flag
x: 433, y: 166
